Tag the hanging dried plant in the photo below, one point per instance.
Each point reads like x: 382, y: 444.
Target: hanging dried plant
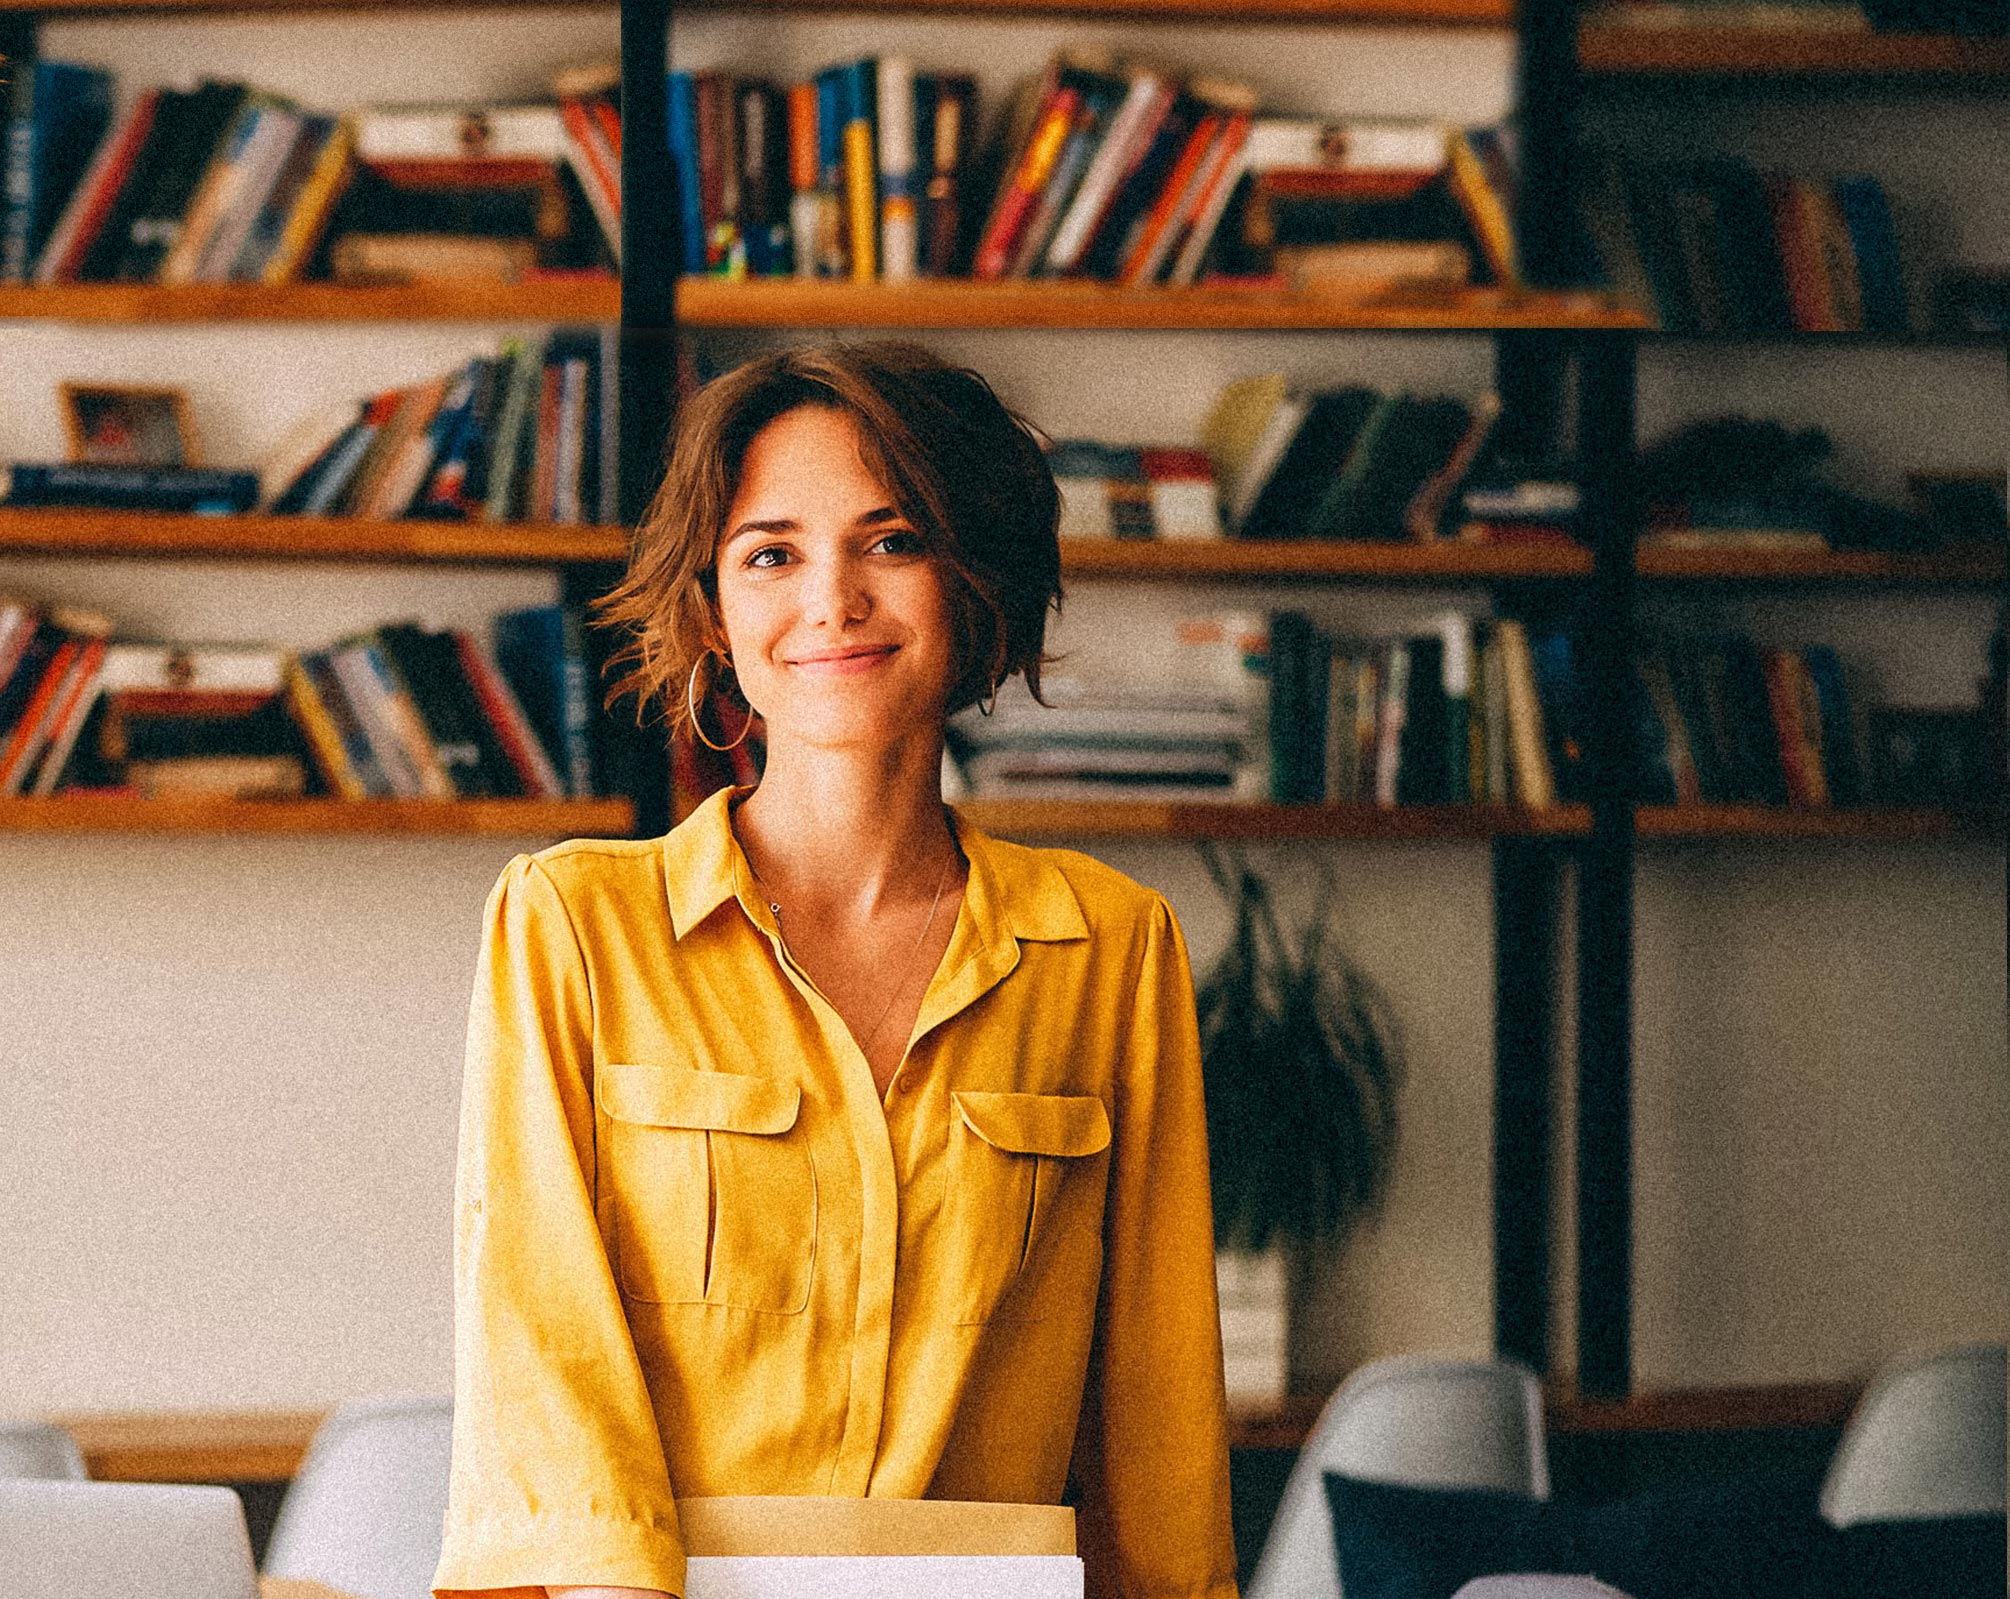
x: 1302, y: 1068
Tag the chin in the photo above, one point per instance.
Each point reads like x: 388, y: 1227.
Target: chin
x: 858, y: 722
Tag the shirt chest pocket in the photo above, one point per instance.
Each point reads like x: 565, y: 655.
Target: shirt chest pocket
x: 713, y: 1191
x: 1026, y: 1180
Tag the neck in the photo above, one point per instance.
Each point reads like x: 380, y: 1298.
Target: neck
x: 848, y: 828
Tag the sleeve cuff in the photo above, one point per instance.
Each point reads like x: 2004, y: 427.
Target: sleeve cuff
x: 519, y: 1558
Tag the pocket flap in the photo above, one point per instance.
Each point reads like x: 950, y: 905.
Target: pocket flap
x: 677, y: 1096
x: 1037, y: 1124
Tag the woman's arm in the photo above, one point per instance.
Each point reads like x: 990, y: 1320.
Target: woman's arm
x: 1151, y: 1454
x: 558, y: 1468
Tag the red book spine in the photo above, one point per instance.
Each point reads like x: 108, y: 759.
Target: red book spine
x: 1022, y: 193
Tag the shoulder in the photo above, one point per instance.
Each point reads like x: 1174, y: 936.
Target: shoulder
x: 577, y: 875
x: 1114, y: 908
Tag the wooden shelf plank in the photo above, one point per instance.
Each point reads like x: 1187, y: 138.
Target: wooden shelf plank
x: 1705, y: 51
x: 122, y: 813
x: 1198, y: 559
x: 567, y: 300
x: 317, y: 538
x: 1762, y: 821
x: 961, y: 303
x: 1159, y: 819
x: 1469, y: 13
x: 1466, y: 13
x: 1956, y: 565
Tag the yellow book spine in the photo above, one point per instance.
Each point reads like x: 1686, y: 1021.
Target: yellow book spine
x: 303, y: 700
x: 310, y: 212
x: 861, y: 205
x: 1484, y: 209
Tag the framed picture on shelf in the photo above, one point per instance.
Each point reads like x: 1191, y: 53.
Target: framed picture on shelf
x: 123, y: 424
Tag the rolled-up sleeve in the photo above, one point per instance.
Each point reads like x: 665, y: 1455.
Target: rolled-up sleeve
x: 1151, y: 1455
x: 558, y: 1472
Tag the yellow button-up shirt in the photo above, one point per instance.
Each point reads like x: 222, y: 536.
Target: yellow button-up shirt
x: 697, y: 1254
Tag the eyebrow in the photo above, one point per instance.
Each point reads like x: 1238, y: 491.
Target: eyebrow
x: 783, y: 524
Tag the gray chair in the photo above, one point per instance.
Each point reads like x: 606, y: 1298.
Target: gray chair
x: 1927, y: 1439
x: 1537, y: 1587
x: 1413, y: 1419
x: 365, y: 1511
x: 41, y: 1450
x: 115, y: 1540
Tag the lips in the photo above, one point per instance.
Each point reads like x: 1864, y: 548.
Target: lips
x: 852, y: 658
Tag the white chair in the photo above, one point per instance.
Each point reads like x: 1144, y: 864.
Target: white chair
x: 40, y: 1449
x: 1537, y: 1587
x: 115, y: 1540
x: 1413, y: 1419
x: 1926, y: 1440
x: 364, y: 1514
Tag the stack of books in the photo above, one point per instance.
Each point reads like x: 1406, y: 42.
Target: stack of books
x: 1120, y: 491
x: 400, y: 711
x: 1098, y: 168
x: 1186, y: 725
x: 1718, y: 247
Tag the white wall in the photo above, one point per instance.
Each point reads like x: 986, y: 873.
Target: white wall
x: 234, y: 1060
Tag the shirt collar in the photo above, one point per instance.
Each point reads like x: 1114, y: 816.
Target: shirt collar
x: 1014, y: 892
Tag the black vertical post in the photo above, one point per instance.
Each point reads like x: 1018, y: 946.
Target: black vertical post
x: 1547, y: 97
x: 649, y: 246
x: 1525, y: 937
x: 1605, y: 876
x: 647, y: 388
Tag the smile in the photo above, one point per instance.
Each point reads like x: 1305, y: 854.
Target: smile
x: 845, y: 662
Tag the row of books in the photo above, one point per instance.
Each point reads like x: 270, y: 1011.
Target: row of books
x: 400, y: 711
x: 226, y: 183
x: 1718, y: 247
x: 524, y: 435
x: 1469, y: 710
x: 1098, y: 167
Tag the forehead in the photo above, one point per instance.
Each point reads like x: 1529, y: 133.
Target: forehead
x: 811, y: 450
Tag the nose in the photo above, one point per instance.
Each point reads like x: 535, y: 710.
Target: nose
x: 838, y: 593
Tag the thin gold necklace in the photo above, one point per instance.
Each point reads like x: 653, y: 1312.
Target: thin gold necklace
x: 941, y: 882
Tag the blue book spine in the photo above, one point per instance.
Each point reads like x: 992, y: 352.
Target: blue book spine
x: 530, y: 653
x: 50, y: 139
x: 1841, y: 764
x: 1866, y: 216
x: 684, y: 161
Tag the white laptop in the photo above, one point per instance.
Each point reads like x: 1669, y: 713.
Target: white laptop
x: 118, y: 1540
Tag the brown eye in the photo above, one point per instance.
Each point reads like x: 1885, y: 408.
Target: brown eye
x: 903, y: 542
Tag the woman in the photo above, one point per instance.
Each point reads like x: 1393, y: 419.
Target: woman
x: 826, y: 1145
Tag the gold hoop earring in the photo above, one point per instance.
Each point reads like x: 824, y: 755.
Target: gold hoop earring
x: 691, y: 705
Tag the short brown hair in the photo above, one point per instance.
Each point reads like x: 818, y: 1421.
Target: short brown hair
x: 968, y: 473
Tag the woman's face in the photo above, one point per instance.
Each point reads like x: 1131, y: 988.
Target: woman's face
x: 837, y: 617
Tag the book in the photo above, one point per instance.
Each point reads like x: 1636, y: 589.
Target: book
x: 899, y: 228
x: 541, y: 655
x: 51, y: 121
x: 1323, y: 442
x: 171, y: 181
x: 526, y: 753
x: 96, y: 193
x: 952, y: 123
x: 1147, y: 97
x: 304, y: 702
x: 860, y: 109
x: 230, y: 170
x: 1528, y: 737
x: 321, y: 191
x: 127, y: 488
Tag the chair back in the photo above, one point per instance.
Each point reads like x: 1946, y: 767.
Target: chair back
x: 1532, y: 1586
x: 1926, y: 1440
x: 364, y: 1513
x: 113, y: 1540
x: 1413, y: 1419
x: 40, y: 1449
